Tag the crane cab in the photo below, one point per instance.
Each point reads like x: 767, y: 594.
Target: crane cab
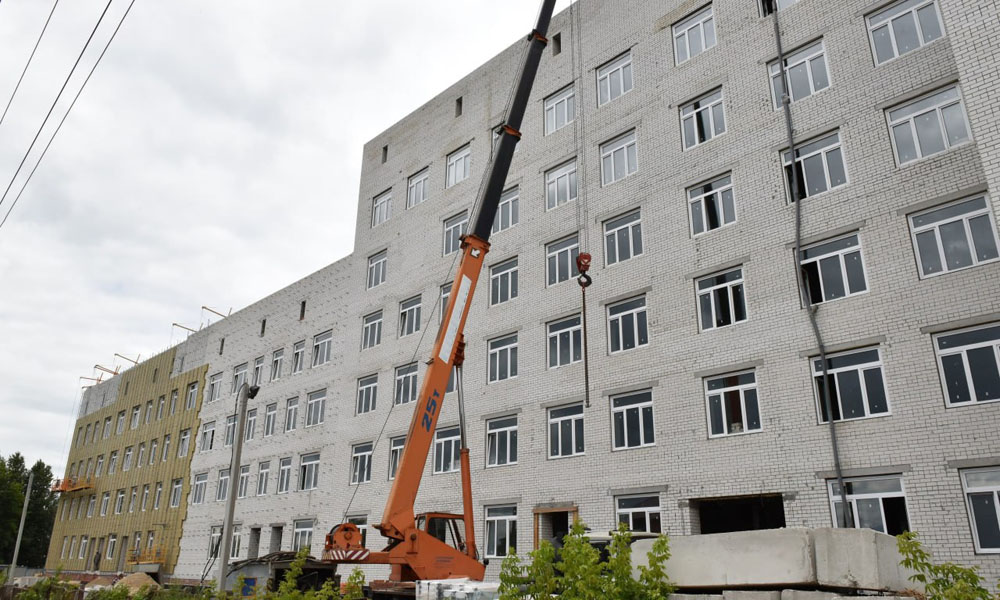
x: 446, y: 527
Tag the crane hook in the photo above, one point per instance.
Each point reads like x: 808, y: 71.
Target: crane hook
x: 583, y: 265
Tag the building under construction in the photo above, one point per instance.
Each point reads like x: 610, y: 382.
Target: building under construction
x: 657, y: 141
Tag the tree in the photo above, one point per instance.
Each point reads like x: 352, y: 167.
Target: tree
x: 41, y: 510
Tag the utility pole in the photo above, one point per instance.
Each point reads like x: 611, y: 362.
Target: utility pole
x: 242, y: 395
x: 20, y: 528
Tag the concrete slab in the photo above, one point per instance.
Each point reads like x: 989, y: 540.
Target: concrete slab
x: 807, y: 595
x: 750, y: 595
x: 859, y: 559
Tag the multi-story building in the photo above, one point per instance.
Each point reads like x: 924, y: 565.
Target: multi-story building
x: 124, y: 496
x: 656, y: 141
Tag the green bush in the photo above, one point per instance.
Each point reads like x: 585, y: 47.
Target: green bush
x: 946, y: 581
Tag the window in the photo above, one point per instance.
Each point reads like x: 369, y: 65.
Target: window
x: 208, y: 436
x: 367, y: 394
x: 166, y: 447
x: 694, y: 35
x: 639, y: 513
x: 298, y: 356
x: 315, y: 407
x: 107, y: 428
x: 614, y: 79
x: 222, y: 490
x: 416, y: 188
x: 291, y: 414
x: 83, y: 546
x: 214, y: 541
x: 302, y: 535
x: 239, y: 377
x: 284, y: 475
x: 376, y: 269
x: 136, y: 411
x: 112, y: 462
x: 322, y: 346
x: 454, y: 229
x: 732, y: 404
x: 501, y: 531
x: 928, y: 125
x: 361, y: 463
x: 618, y: 158
x: 560, y: 259
x: 127, y: 460
x: 258, y: 371
x: 157, y: 495
x: 447, y: 446
x: 721, y: 299
x: 371, y: 332
x: 877, y: 503
x: 969, y: 361
x: 112, y: 542
x: 458, y: 106
x: 175, y: 492
x: 381, y: 208
x: 119, y: 502
x: 270, y: 417
x: 141, y: 455
x: 182, y: 444
x: 501, y: 441
x: 161, y: 406
x: 623, y: 238
x: 251, y: 425
x: 503, y: 358
x: 92, y: 503
x: 406, y: 384
x: 507, y: 211
x: 712, y: 205
x: 230, y: 430
x: 805, y: 72
x: 903, y: 27
x: 769, y: 6
x: 982, y: 493
x: 857, y: 389
x: 409, y: 316
x: 560, y: 185
x: 236, y: 542
x: 833, y: 270
x: 146, y: 420
x: 703, y: 119
x: 214, y: 387
x: 445, y: 295
x: 559, y: 110
x: 503, y: 281
x: 263, y: 470
x: 302, y: 310
x: 632, y: 420
x: 395, y: 455
x: 566, y: 431
x: 121, y: 423
x: 200, y: 485
x: 277, y: 359
x: 243, y: 483
x: 105, y: 501
x: 954, y: 237
x: 565, y: 342
x: 627, y: 328
x: 459, y: 166
x: 819, y: 167
x: 309, y: 471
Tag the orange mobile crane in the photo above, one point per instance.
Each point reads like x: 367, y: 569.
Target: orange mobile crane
x: 418, y: 546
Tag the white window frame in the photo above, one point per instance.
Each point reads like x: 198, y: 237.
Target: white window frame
x: 500, y: 519
x: 455, y: 227
x: 284, y: 475
x: 291, y: 414
x: 560, y: 104
x: 381, y: 208
x: 251, y: 425
x: 207, y: 436
x: 988, y: 338
x: 277, y: 363
x: 628, y: 314
x: 733, y: 286
x: 558, y: 254
x: 361, y: 463
x: 396, y: 446
x: 199, y: 488
x: 508, y: 210
x: 371, y: 330
x: 623, y: 232
x: 852, y: 499
x: 806, y: 55
x: 263, y: 477
x: 617, y: 70
x: 377, y: 264
x: 824, y: 146
x: 627, y: 514
x: 892, y: 12
x: 367, y: 394
x: 943, y: 98
x: 258, y: 371
x: 632, y: 407
x: 222, y: 485
x: 406, y: 384
x: 743, y: 385
x: 561, y: 182
x: 157, y: 495
x: 409, y: 316
x: 503, y: 281
x: 501, y: 428
x: 230, y: 437
x: 105, y: 502
x: 623, y: 147
x: 270, y: 419
x: 568, y: 334
x: 298, y: 356
x: 861, y: 368
x: 322, y: 348
x: 315, y: 408
x: 302, y: 534
x: 309, y: 471
x: 988, y: 487
x: 192, y: 398
x: 214, y: 391
x: 239, y: 376
x: 176, y: 491
x: 459, y: 166
x: 841, y: 255
x: 243, y: 482
x: 183, y: 443
x: 963, y: 211
x: 703, y: 21
x: 691, y: 111
x: 447, y: 446
x: 573, y: 414
x: 416, y: 187
x: 719, y: 193
x: 502, y: 358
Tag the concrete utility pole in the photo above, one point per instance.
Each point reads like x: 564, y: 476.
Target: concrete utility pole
x: 20, y: 528
x: 242, y: 395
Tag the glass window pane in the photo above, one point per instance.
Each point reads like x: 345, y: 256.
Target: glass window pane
x: 709, y: 33
x: 954, y: 124
x: 957, y: 253
x: 954, y: 378
x: 835, y: 165
x: 566, y: 437
x: 705, y: 303
x: 851, y: 401
x: 632, y: 427
x: 619, y: 157
x: 855, y: 272
x: 906, y: 148
x: 723, y: 312
x: 818, y: 67
x: 729, y: 208
x: 883, y: 44
x: 984, y: 513
x: 875, y: 388
x: 929, y: 24
x: 694, y: 40
x: 752, y: 409
x: 647, y: 424
x: 929, y: 133
x: 905, y: 29
x: 739, y: 304
x: 619, y: 424
x: 681, y: 48
x: 579, y: 434
x: 985, y: 376
x: 734, y: 412
x: 719, y: 119
x: 815, y: 175
x: 799, y: 81
x: 689, y: 137
x: 927, y: 248
x: 833, y: 282
x: 982, y: 238
x: 870, y: 514
x: 696, y: 218
x: 715, y: 414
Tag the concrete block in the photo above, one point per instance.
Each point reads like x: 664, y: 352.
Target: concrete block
x: 750, y: 595
x: 808, y: 595
x: 859, y: 559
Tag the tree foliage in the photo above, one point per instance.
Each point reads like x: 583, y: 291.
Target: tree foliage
x: 946, y: 581
x: 41, y: 510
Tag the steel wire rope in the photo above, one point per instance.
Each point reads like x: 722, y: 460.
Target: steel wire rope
x: 73, y: 103
x: 576, y: 65
x: 27, y: 64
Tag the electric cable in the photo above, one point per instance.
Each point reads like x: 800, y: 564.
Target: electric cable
x: 26, y: 65
x: 73, y: 103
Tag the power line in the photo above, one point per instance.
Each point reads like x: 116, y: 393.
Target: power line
x: 21, y: 78
x: 63, y: 120
x: 54, y: 102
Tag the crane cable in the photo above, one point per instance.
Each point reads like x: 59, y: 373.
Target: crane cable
x: 27, y: 64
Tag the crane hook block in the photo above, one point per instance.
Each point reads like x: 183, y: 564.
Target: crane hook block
x: 583, y: 265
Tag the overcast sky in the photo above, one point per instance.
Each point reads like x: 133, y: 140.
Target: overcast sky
x: 213, y: 158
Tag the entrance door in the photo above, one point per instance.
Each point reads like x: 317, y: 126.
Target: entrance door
x: 552, y: 524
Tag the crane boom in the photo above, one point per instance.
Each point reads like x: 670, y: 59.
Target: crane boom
x: 414, y: 553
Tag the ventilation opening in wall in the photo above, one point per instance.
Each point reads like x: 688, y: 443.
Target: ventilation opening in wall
x: 302, y: 310
x: 222, y: 345
x: 769, y: 6
x: 156, y: 372
x: 458, y: 106
x: 742, y: 513
x: 263, y: 327
x: 556, y: 44
x: 385, y: 153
